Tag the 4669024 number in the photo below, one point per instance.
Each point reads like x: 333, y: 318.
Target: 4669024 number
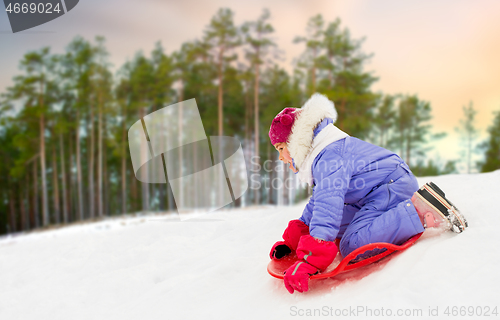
x: 476, y: 311
x: 33, y: 8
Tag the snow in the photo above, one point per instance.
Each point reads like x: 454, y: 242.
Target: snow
x: 155, y: 267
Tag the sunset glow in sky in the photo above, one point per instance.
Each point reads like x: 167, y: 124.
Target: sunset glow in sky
x: 447, y: 52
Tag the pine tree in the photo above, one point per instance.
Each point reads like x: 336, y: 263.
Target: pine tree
x: 350, y: 90
x: 492, y: 146
x: 257, y: 37
x: 221, y: 36
x: 412, y: 128
x: 77, y: 71
x: 142, y: 96
x: 103, y: 83
x: 334, y: 64
x: 468, y: 133
x: 314, y: 43
x: 384, y: 121
x: 35, y: 87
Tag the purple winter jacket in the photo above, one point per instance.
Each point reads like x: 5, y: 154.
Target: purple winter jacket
x: 344, y: 173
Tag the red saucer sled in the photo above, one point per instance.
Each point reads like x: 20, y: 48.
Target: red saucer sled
x: 350, y: 262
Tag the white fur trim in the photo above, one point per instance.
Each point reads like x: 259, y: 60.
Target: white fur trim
x: 326, y: 136
x: 317, y: 108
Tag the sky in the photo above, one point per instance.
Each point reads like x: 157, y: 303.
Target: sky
x: 447, y: 52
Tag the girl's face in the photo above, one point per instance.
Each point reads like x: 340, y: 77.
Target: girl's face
x: 285, y: 155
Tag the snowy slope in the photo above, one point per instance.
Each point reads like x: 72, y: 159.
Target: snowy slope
x: 157, y: 268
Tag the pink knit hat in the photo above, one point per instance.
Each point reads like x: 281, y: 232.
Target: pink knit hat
x: 282, y: 125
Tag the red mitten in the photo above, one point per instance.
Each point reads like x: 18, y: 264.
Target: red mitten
x: 279, y: 250
x: 319, y: 253
x: 297, y: 276
x: 292, y: 234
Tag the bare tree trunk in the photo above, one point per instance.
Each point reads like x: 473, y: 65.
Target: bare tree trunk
x: 105, y: 173
x: 45, y: 197
x: 256, y: 121
x: 219, y: 95
x: 27, y: 199
x: 35, y: 195
x: 221, y: 116
x: 79, y: 167
x: 195, y: 165
x: 71, y: 180
x: 268, y: 192
x: 31, y: 204
x: 91, y: 163
x: 24, y: 219
x: 55, y: 177
x: 63, y: 176
x: 144, y: 185
x: 99, y: 159
x: 124, y: 166
x: 12, y: 216
x: 133, y: 187
x: 181, y: 196
x: 248, y: 117
x: 105, y: 189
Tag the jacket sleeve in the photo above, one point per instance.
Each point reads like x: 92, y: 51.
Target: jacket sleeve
x: 331, y: 177
x: 308, y: 210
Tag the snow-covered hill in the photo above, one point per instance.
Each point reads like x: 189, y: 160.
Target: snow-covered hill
x: 215, y: 268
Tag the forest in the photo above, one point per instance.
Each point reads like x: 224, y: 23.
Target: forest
x: 64, y: 119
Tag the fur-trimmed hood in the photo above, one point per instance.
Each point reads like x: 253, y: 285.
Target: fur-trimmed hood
x: 311, y: 114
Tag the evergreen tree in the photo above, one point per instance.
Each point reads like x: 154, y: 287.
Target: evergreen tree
x: 77, y: 71
x: 350, y: 90
x: 121, y: 148
x: 142, y: 95
x: 412, y: 121
x: 334, y: 63
x: 198, y: 77
x: 102, y: 81
x: 256, y: 36
x: 35, y: 88
x: 468, y: 133
x: 221, y: 36
x: 314, y: 43
x: 384, y: 121
x: 9, y: 153
x: 492, y: 146
x: 412, y: 130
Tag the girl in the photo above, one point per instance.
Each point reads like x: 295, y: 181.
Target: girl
x: 362, y: 193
